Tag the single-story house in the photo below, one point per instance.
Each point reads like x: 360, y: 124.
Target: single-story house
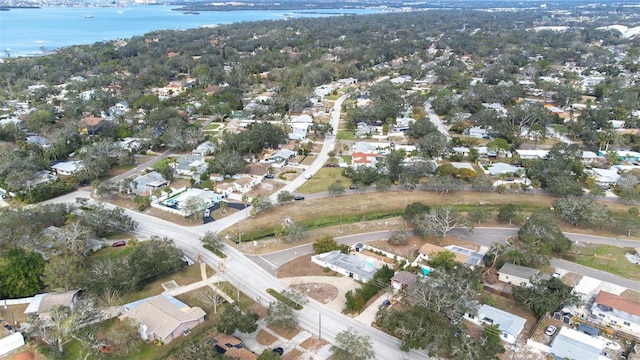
x: 575, y: 345
x: 11, y: 342
x: 464, y: 151
x: 302, y: 119
x: 516, y: 275
x: 463, y: 165
x: 477, y: 132
x: 510, y: 325
x: 473, y: 258
x: 209, y: 198
x: 503, y: 169
x: 38, y: 141
x: 355, y: 266
x: 147, y: 183
x: 232, y: 347
x: 532, y: 154
x: 402, y: 280
x: 67, y: 168
x: 43, y: 303
x: 365, y: 147
x: 189, y: 165
x: 605, y: 177
x: 616, y: 311
x: 624, y: 155
x: 363, y: 159
x: 12, y: 121
x: 297, y: 133
x: 429, y: 250
x: 163, y: 317
x: 281, y: 155
x: 42, y: 177
x: 589, y: 157
x: 204, y: 149
x: 92, y: 124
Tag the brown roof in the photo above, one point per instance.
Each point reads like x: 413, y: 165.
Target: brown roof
x: 92, y: 120
x: 231, y: 351
x: 405, y: 278
x: 58, y: 298
x: 618, y: 303
x: 257, y: 168
x: 428, y: 249
x: 161, y: 316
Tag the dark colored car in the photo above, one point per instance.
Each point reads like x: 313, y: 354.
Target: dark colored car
x: 278, y: 351
x: 353, y: 187
x: 269, y: 176
x: 119, y: 243
x: 298, y: 197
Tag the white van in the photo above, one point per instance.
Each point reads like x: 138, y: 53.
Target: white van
x: 308, y: 176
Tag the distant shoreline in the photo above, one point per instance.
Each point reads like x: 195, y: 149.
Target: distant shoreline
x: 7, y: 8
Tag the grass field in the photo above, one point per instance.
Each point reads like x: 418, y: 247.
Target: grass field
x: 346, y: 135
x: 321, y: 180
x: 606, y: 258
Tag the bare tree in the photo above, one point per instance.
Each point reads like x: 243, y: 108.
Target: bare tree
x: 439, y: 221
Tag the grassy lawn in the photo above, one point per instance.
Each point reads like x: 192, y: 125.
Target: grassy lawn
x: 606, y: 258
x: 186, y: 276
x: 321, y: 180
x: 559, y: 128
x: 212, y: 126
x: 346, y: 135
x: 347, y: 159
x: 332, y: 97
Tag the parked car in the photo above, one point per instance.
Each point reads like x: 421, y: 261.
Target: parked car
x: 550, y: 330
x: 278, y: 351
x: 119, y: 243
x: 298, y: 197
x: 269, y: 176
x: 353, y: 187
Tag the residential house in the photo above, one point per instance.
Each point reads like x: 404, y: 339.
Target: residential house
x: 510, y: 325
x: 358, y: 267
x: 204, y: 149
x: 589, y: 157
x: 298, y: 133
x: 146, y: 184
x: 616, y: 311
x: 403, y: 280
x: 42, y: 304
x: 132, y: 144
x: 428, y: 251
x: 189, y: 165
x: 347, y: 81
x: 13, y: 121
x: 232, y: 347
x: 119, y: 109
x: 517, y: 275
x: 11, y: 342
x: 605, y: 177
x: 39, y: 141
x: 472, y: 258
x: 359, y: 159
x: 532, y: 154
x: 365, y: 130
x: 464, y: 151
x: 91, y: 124
x: 463, y: 165
x: 365, y: 147
x: 208, y: 197
x: 307, y: 119
x: 281, y: 155
x: 477, y: 132
x: 503, y: 169
x: 42, y: 177
x: 575, y: 345
x: 68, y: 168
x: 163, y: 317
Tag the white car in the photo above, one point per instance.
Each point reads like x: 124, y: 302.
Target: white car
x: 550, y: 330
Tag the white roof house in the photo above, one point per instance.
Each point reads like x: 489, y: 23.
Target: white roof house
x: 575, y: 345
x: 502, y: 168
x: 532, y: 154
x: 510, y: 325
x: 605, y: 177
x: 204, y: 149
x: 463, y: 165
x: 68, y: 167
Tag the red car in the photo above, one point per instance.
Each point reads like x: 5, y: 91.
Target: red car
x: 119, y: 243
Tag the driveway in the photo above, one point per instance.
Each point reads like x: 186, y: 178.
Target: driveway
x: 342, y: 283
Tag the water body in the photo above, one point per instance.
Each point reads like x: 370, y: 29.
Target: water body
x: 27, y: 32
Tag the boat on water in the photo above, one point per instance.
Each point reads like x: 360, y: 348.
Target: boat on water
x: 88, y: 16
x: 191, y: 13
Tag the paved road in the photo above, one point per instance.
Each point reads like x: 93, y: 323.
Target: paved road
x: 435, y: 119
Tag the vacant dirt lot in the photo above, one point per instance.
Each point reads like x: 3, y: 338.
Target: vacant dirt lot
x: 302, y: 266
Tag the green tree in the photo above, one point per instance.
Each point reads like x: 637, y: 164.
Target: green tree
x: 581, y: 211
x: 284, y: 197
x: 281, y: 315
x: 479, y: 214
x: 509, y: 213
x: 413, y: 210
x: 540, y: 238
x: 233, y: 319
x: 545, y: 296
x: 328, y: 243
x: 20, y: 274
x: 445, y: 260
x: 212, y: 241
x: 269, y: 354
x: 336, y: 188
x: 352, y: 346
x: 63, y: 272
x: 630, y: 222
